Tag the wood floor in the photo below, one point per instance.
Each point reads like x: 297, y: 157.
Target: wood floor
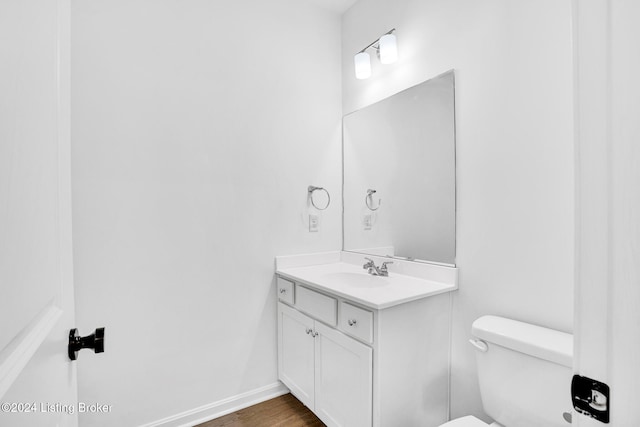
x: 283, y: 411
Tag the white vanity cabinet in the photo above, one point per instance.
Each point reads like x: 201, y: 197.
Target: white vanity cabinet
x: 296, y: 353
x: 357, y: 366
x: 329, y: 372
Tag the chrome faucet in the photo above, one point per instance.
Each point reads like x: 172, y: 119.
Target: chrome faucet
x: 374, y: 270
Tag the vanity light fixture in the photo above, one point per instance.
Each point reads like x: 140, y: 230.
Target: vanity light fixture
x: 363, y: 65
x: 386, y: 48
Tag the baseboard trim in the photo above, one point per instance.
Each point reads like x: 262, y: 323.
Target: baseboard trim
x: 222, y: 407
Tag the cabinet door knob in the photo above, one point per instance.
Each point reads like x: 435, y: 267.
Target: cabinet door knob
x: 314, y: 334
x: 352, y: 322
x: 283, y: 291
x: 308, y: 331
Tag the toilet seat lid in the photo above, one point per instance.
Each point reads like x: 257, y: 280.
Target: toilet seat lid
x: 468, y: 421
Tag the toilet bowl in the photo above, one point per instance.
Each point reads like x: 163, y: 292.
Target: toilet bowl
x: 524, y: 373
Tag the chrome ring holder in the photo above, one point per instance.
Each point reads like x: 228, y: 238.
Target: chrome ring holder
x: 310, y: 191
x: 368, y: 200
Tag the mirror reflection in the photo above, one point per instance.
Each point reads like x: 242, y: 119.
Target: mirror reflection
x: 399, y: 174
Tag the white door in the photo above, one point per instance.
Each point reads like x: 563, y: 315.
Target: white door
x: 607, y: 295
x: 37, y: 380
x: 344, y: 379
x: 296, y: 353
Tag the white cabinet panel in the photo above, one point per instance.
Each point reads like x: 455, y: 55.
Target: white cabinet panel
x: 285, y: 291
x: 296, y: 353
x: 356, y: 321
x: 343, y: 379
x: 317, y: 305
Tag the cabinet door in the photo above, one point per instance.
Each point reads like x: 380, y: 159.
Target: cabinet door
x: 296, y: 353
x: 344, y: 372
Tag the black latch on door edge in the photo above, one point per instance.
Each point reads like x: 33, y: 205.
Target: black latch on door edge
x: 590, y: 398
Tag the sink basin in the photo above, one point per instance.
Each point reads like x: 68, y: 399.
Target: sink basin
x: 357, y: 280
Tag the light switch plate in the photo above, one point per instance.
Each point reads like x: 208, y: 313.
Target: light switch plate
x: 314, y: 223
x: 367, y: 222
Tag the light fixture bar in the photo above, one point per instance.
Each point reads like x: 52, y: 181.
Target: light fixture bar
x: 377, y: 40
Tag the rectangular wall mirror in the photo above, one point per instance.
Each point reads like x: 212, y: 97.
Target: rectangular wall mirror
x: 399, y: 175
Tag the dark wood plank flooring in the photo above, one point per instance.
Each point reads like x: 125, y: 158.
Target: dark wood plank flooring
x: 283, y: 411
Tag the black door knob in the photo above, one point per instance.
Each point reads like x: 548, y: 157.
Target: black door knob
x: 77, y: 343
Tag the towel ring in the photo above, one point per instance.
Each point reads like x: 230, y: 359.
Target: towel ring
x: 310, y: 191
x: 368, y: 200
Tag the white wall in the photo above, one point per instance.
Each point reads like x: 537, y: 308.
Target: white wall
x: 197, y: 127
x: 513, y: 62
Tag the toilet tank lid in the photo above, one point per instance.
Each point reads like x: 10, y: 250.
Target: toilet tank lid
x: 545, y: 343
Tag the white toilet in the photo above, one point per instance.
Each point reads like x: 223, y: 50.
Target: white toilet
x: 524, y: 372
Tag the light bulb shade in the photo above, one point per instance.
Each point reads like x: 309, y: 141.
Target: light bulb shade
x: 363, y: 65
x: 388, y: 49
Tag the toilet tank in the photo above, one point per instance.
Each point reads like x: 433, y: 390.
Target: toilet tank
x: 524, y: 373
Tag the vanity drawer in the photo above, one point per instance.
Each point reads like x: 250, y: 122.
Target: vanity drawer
x: 356, y: 322
x: 285, y: 290
x: 320, y: 306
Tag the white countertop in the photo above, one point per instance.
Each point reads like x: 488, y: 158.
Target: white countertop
x: 352, y: 282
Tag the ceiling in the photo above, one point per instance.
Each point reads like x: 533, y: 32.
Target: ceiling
x: 339, y: 6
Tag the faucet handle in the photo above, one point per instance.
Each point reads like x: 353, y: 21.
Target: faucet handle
x: 368, y: 264
x: 383, y: 267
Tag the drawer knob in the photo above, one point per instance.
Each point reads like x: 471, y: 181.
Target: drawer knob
x: 352, y: 322
x: 308, y: 331
x: 283, y: 291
